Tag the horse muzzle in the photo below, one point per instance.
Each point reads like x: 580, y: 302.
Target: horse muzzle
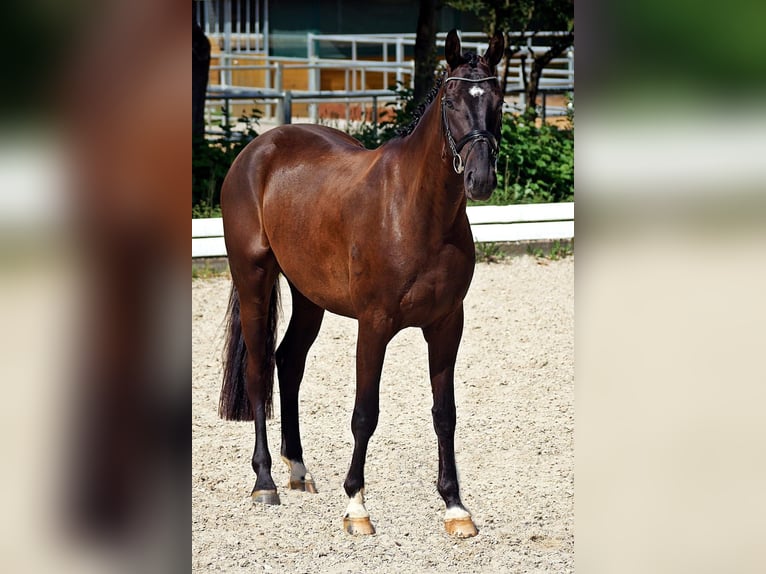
x: 480, y: 177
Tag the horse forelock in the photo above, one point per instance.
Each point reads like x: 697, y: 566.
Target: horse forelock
x: 476, y: 65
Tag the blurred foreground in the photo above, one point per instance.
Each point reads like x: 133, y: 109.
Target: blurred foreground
x: 94, y: 182
x: 670, y: 282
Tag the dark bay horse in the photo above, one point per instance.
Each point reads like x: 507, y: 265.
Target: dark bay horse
x: 379, y: 235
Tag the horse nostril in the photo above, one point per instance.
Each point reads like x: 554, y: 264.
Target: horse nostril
x: 469, y: 179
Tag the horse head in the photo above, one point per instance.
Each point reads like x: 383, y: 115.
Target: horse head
x: 472, y: 108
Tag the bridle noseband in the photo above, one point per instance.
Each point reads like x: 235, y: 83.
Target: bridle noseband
x: 472, y: 136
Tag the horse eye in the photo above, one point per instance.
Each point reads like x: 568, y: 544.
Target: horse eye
x: 449, y: 104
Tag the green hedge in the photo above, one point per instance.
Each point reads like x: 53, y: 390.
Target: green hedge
x: 535, y: 164
x: 211, y: 159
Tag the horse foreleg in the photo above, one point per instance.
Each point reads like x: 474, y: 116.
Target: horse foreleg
x: 370, y: 351
x: 443, y: 338
x: 291, y: 362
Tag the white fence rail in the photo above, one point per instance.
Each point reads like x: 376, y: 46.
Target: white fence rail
x: 395, y: 63
x: 558, y: 74
x: 489, y: 223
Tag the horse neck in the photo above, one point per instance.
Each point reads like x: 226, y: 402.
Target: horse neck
x: 436, y: 186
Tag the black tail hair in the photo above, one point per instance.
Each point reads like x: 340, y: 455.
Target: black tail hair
x: 234, y: 405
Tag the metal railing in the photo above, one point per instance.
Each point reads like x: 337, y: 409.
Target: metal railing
x: 364, y: 59
x: 391, y: 62
x: 283, y: 101
x: 559, y: 73
x: 354, y: 78
x: 241, y: 25
x: 529, y: 44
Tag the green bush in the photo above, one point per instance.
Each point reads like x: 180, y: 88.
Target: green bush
x: 211, y: 159
x: 535, y: 164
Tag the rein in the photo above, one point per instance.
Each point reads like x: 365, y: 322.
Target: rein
x: 473, y: 136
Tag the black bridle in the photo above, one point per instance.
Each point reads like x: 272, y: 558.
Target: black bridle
x: 473, y: 136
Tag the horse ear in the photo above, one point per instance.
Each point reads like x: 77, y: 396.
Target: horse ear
x: 452, y: 50
x: 495, y: 51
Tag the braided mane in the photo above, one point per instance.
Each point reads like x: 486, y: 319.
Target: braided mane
x: 470, y: 58
x: 420, y: 110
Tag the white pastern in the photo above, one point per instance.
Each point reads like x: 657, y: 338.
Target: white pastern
x: 356, y: 507
x: 297, y: 471
x: 476, y: 91
x: 456, y: 512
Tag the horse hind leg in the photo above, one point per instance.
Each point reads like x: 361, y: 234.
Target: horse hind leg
x: 301, y: 333
x: 258, y: 290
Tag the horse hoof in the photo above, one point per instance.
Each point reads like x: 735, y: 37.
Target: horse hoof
x: 360, y: 525
x: 265, y: 496
x: 461, y: 527
x: 303, y: 485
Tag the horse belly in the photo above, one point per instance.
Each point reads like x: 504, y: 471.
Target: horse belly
x: 327, y: 290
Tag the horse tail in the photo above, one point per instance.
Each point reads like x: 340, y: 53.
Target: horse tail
x: 234, y: 404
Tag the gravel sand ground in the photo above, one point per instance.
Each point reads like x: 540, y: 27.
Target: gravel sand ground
x: 514, y: 444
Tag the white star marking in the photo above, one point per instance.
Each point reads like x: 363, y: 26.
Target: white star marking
x: 476, y: 91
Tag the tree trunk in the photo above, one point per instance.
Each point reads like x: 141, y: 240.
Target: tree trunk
x: 425, y: 52
x: 508, y: 53
x: 560, y: 45
x: 200, y: 71
x: 533, y: 87
x: 506, y: 61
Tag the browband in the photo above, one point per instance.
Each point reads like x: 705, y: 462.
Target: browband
x: 473, y: 81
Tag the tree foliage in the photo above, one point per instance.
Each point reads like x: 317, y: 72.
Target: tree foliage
x: 519, y: 15
x: 211, y: 159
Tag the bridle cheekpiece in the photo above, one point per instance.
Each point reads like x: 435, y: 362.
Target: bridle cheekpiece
x: 473, y: 136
